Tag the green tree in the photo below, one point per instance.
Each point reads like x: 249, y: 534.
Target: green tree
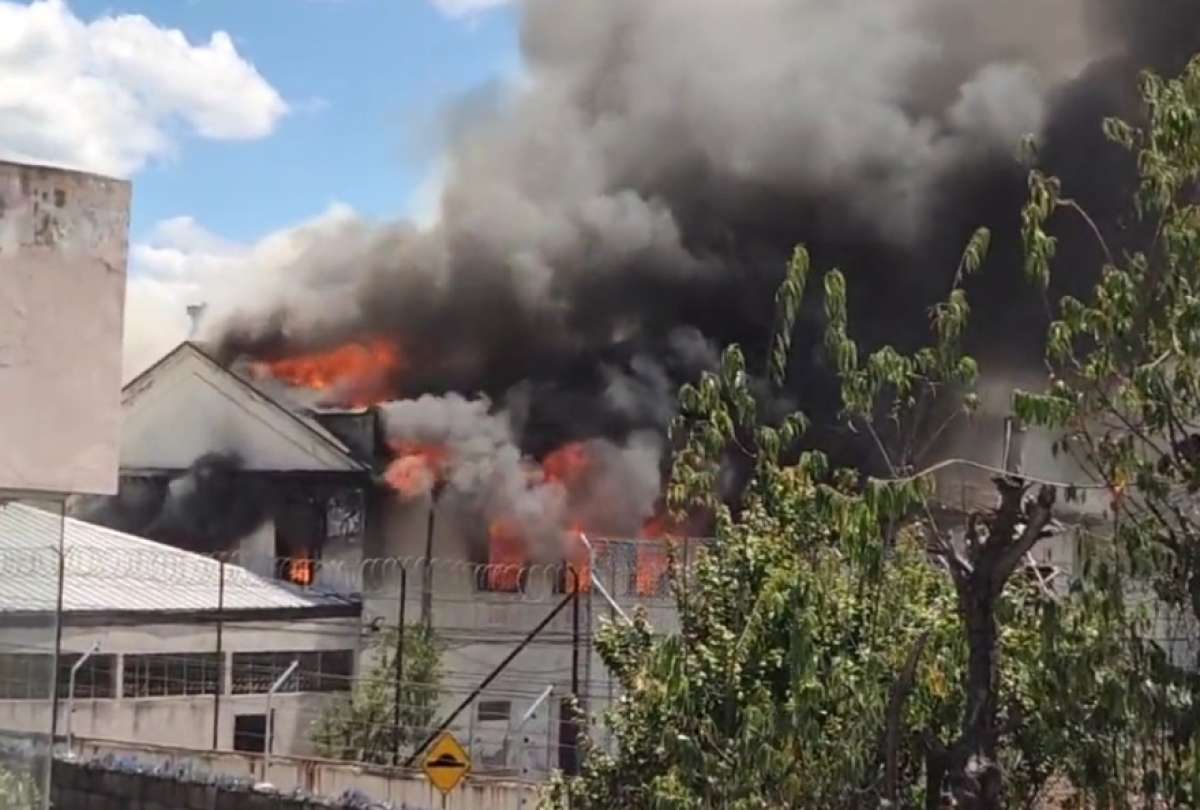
x: 361, y: 726
x: 837, y: 650
x: 1124, y: 394
x: 18, y: 790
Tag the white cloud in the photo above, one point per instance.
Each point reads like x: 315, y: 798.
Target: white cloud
x: 107, y: 95
x: 181, y: 263
x: 463, y: 8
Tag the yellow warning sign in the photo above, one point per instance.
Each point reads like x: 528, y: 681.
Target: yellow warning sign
x: 446, y: 763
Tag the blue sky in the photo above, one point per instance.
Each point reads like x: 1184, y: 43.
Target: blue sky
x: 251, y: 129
x: 366, y: 81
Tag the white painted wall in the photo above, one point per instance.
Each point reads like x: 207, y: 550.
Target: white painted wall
x: 188, y: 407
x: 179, y: 720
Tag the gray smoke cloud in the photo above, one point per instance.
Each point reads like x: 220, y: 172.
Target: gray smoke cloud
x: 659, y: 161
x: 486, y: 475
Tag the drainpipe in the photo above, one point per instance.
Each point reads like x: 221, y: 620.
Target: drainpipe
x: 71, y: 690
x: 275, y: 687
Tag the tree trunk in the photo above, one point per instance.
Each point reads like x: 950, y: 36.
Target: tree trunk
x: 936, y: 762
x: 976, y: 778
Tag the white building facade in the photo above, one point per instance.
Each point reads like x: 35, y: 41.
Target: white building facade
x: 172, y: 656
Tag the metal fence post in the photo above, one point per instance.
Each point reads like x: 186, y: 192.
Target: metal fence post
x: 220, y: 684
x: 270, y: 742
x: 71, y: 688
x: 48, y: 784
x: 399, y: 667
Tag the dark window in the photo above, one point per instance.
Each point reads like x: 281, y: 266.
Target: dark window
x: 568, y: 737
x: 319, y: 671
x: 162, y: 675
x: 250, y: 733
x: 25, y: 676
x: 95, y: 679
x: 494, y: 711
x: 299, y: 534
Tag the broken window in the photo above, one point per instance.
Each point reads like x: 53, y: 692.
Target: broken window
x: 505, y: 570
x: 653, y: 561
x: 299, y: 534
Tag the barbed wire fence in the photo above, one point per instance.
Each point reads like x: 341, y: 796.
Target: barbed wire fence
x: 164, y: 635
x: 190, y: 646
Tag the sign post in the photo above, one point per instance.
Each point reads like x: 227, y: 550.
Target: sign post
x: 446, y: 764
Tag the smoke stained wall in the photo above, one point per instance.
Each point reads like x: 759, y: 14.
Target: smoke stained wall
x: 628, y: 209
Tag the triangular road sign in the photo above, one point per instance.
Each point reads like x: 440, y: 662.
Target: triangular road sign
x: 446, y: 763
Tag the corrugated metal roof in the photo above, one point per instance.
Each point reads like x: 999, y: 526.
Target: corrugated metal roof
x: 110, y: 571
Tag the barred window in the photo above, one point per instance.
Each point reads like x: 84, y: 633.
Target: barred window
x: 319, y: 671
x: 95, y: 679
x: 163, y: 675
x: 494, y: 711
x: 25, y: 676
x: 250, y: 733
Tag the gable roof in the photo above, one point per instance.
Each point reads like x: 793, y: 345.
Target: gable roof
x: 187, y: 405
x: 113, y: 573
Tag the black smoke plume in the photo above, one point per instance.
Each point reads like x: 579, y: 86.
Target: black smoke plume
x: 630, y: 208
x: 205, y: 509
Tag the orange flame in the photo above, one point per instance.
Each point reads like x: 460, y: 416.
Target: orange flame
x: 653, y: 559
x: 300, y: 569
x: 357, y: 371
x: 567, y: 465
x: 577, y: 555
x: 506, y: 556
x: 417, y: 467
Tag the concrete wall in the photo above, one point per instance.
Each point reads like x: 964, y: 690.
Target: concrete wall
x: 188, y: 720
x: 63, y: 245
x: 76, y: 787
x: 407, y: 789
x: 479, y: 628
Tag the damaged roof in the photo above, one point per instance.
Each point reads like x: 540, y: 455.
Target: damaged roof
x: 188, y: 405
x: 110, y: 574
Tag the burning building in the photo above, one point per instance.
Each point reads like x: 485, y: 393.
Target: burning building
x: 210, y: 464
x: 606, y: 227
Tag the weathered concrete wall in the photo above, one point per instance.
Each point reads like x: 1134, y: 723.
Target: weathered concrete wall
x: 63, y: 245
x: 185, y: 720
x: 80, y: 787
x: 480, y: 628
x: 402, y: 789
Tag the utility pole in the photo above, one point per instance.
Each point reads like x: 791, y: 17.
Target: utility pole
x: 427, y: 573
